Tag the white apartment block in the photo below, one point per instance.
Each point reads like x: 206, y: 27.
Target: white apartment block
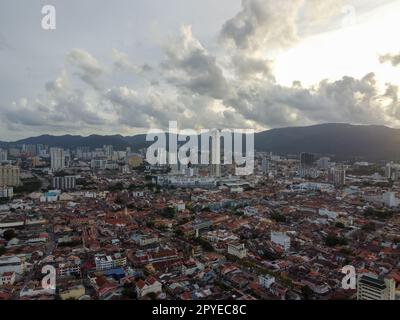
x: 7, y: 278
x: 150, y: 285
x: 266, y: 281
x: 57, y: 159
x: 372, y: 287
x: 104, y: 262
x: 237, y: 250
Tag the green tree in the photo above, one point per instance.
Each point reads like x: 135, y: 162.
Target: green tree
x: 333, y: 241
x: 152, y: 296
x: 9, y: 234
x: 120, y: 200
x: 169, y: 212
x: 179, y: 232
x: 129, y: 291
x: 117, y: 187
x: 278, y: 217
x: 339, y: 225
x: 307, y: 292
x: 369, y: 227
x: 29, y: 185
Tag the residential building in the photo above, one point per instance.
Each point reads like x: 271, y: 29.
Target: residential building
x: 3, y: 155
x: 150, y: 285
x: 323, y: 163
x: 237, y: 250
x: 7, y: 278
x: 57, y: 159
x: 9, y: 176
x: 106, y: 262
x: 266, y: 281
x: 12, y: 264
x: 69, y: 268
x: 337, y: 176
x: 265, y: 166
x: 306, y: 160
x: 64, y: 183
x: 98, y: 164
x: 6, y: 192
x: 372, y: 287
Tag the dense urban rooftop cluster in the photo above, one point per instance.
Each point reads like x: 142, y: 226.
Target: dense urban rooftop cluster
x: 114, y: 227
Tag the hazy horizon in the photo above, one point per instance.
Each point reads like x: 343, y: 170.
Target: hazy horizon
x: 144, y: 133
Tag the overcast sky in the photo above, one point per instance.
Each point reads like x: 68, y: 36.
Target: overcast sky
x: 125, y: 66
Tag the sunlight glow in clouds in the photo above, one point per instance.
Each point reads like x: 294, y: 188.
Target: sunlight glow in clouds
x: 351, y: 50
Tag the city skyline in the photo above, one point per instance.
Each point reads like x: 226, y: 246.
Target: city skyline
x: 193, y: 157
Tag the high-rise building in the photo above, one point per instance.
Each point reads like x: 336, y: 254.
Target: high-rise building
x: 388, y: 170
x: 6, y: 192
x: 108, y: 150
x: 392, y: 171
x: 337, y: 176
x: 323, y: 163
x: 372, y: 287
x: 64, y: 183
x: 389, y: 199
x: 98, y: 164
x: 42, y: 150
x: 3, y: 155
x: 307, y: 166
x: 265, y: 165
x: 29, y: 149
x: 215, y: 154
x: 37, y: 162
x: 57, y: 159
x: 9, y: 176
x: 306, y: 160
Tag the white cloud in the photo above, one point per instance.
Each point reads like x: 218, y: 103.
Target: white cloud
x: 232, y: 86
x: 88, y: 68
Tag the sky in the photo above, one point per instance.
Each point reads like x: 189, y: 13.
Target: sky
x: 125, y: 66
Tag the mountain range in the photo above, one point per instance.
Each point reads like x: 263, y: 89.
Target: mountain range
x: 341, y: 141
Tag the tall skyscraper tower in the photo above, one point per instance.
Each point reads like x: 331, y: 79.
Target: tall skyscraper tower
x: 216, y: 154
x: 9, y: 176
x: 306, y: 160
x: 57, y: 159
x: 3, y: 155
x: 337, y: 176
x: 265, y: 165
x: 108, y: 150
